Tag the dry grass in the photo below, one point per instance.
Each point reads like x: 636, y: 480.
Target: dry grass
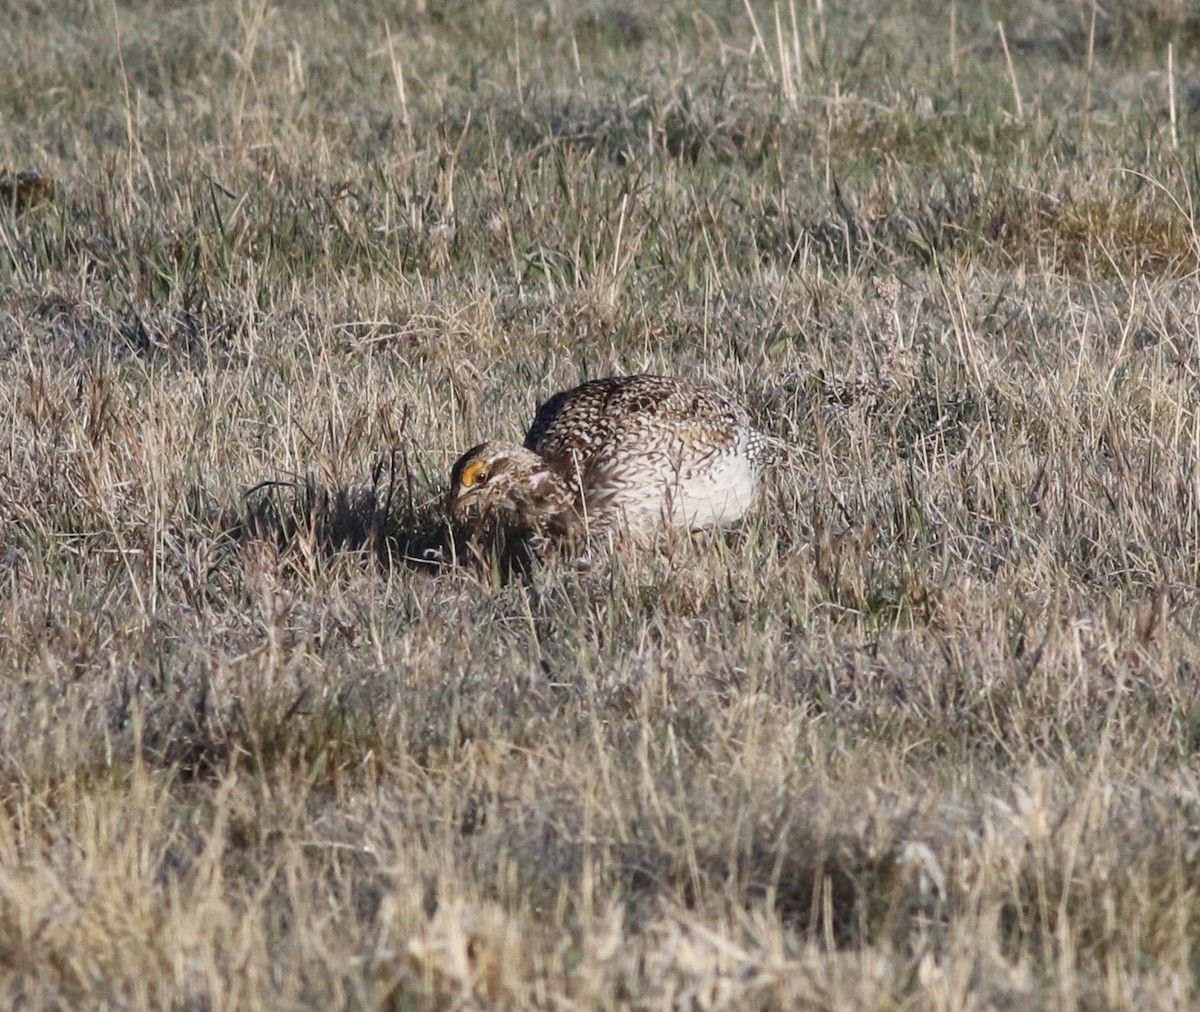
x: 922, y: 734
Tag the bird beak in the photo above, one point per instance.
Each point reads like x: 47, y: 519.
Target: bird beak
x: 459, y: 502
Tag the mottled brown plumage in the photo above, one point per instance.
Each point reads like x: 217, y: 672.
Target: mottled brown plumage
x: 515, y: 484
x: 623, y: 454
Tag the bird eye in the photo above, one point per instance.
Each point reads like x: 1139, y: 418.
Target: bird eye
x: 475, y: 474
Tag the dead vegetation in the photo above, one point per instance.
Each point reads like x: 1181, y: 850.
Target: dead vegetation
x: 921, y: 733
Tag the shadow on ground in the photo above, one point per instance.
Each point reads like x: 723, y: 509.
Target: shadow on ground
x: 381, y: 519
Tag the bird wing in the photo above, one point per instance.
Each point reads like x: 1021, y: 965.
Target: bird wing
x: 594, y: 408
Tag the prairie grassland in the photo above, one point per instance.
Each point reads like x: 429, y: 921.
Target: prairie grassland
x: 922, y: 734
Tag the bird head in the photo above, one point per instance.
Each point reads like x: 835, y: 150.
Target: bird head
x: 510, y: 480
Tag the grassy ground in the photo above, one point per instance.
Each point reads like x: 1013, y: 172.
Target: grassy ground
x: 922, y: 734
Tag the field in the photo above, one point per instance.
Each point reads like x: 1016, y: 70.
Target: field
x: 923, y: 733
